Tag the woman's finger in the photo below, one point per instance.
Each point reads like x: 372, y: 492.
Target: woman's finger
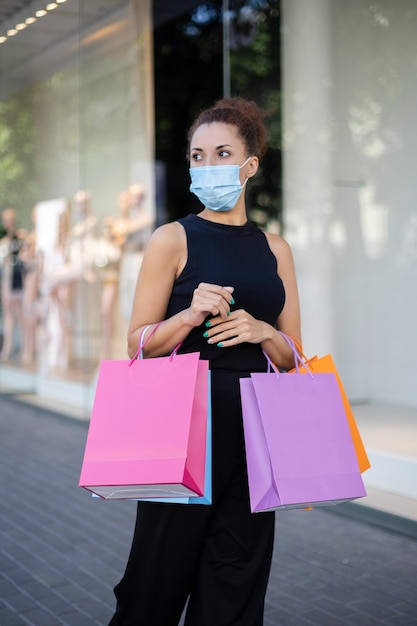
x: 213, y: 299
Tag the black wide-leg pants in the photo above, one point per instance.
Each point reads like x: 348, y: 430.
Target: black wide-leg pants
x: 218, y: 556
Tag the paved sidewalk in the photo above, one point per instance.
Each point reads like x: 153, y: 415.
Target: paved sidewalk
x: 61, y: 552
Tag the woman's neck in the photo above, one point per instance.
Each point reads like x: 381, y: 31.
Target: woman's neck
x: 235, y: 217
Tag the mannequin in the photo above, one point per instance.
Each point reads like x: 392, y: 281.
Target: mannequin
x: 12, y: 282
x: 30, y: 258
x: 137, y: 233
x: 57, y: 277
x: 77, y: 246
x: 83, y: 237
x: 110, y: 253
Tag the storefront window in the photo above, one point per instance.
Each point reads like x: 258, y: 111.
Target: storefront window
x: 76, y: 184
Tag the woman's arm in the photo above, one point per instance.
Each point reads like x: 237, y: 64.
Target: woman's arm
x: 289, y: 321
x: 163, y: 262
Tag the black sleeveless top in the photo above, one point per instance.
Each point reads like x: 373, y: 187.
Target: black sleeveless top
x: 235, y: 256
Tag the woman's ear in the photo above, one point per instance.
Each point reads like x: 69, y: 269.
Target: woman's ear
x: 252, y: 166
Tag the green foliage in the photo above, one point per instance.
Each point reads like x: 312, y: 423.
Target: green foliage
x: 17, y: 181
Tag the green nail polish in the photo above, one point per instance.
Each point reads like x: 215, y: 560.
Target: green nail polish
x: 208, y: 324
x: 220, y: 345
x: 205, y: 334
x: 228, y: 312
x: 232, y: 301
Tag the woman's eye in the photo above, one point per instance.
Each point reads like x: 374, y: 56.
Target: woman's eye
x: 224, y: 153
x: 196, y: 157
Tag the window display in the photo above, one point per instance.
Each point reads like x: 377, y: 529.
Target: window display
x: 79, y: 177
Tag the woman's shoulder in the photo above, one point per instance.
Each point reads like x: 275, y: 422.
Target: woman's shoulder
x: 171, y: 232
x: 278, y: 244
x: 168, y: 238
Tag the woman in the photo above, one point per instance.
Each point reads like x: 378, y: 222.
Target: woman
x: 223, y: 288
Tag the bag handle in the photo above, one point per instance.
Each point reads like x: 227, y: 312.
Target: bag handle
x: 271, y: 366
x: 143, y: 342
x: 299, y: 358
x: 175, y: 350
x: 299, y: 348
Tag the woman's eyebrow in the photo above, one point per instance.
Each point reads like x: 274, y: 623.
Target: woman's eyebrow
x: 223, y: 145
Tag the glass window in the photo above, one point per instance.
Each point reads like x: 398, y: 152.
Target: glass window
x: 76, y: 183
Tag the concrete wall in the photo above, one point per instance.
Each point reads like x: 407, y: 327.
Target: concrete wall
x: 350, y: 88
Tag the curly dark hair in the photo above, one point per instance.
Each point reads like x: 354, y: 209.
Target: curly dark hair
x: 245, y: 115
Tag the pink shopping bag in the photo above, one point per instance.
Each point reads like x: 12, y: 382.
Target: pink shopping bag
x: 299, y: 447
x: 147, y: 434
x: 206, y: 498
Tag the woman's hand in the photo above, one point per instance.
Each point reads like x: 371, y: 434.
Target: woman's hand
x: 207, y: 300
x: 238, y: 327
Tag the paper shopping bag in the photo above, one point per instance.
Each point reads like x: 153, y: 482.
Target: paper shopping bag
x: 325, y: 364
x: 298, y: 444
x: 206, y: 498
x: 147, y: 434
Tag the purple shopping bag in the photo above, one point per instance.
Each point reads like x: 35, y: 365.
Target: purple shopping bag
x: 299, y: 447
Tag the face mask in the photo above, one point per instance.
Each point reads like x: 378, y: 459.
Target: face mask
x: 217, y: 186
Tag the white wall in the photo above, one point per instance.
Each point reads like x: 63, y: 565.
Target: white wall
x: 358, y: 280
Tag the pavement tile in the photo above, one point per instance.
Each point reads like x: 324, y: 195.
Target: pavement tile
x: 318, y: 616
x: 6, y: 588
x: 56, y: 605
x: 374, y: 609
x: 93, y: 607
x: 284, y: 619
x: 16, y: 575
x: 10, y: 618
x: 20, y: 602
x: 298, y: 603
x: 76, y: 619
x: 341, y: 610
x: 72, y: 592
x: 401, y: 621
x: 408, y: 608
x: 361, y: 619
x: 35, y: 589
x: 62, y: 552
x: 38, y: 617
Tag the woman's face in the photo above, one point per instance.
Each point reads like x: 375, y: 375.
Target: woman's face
x: 217, y: 144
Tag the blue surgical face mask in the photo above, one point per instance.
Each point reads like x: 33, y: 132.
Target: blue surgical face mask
x: 218, y: 187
